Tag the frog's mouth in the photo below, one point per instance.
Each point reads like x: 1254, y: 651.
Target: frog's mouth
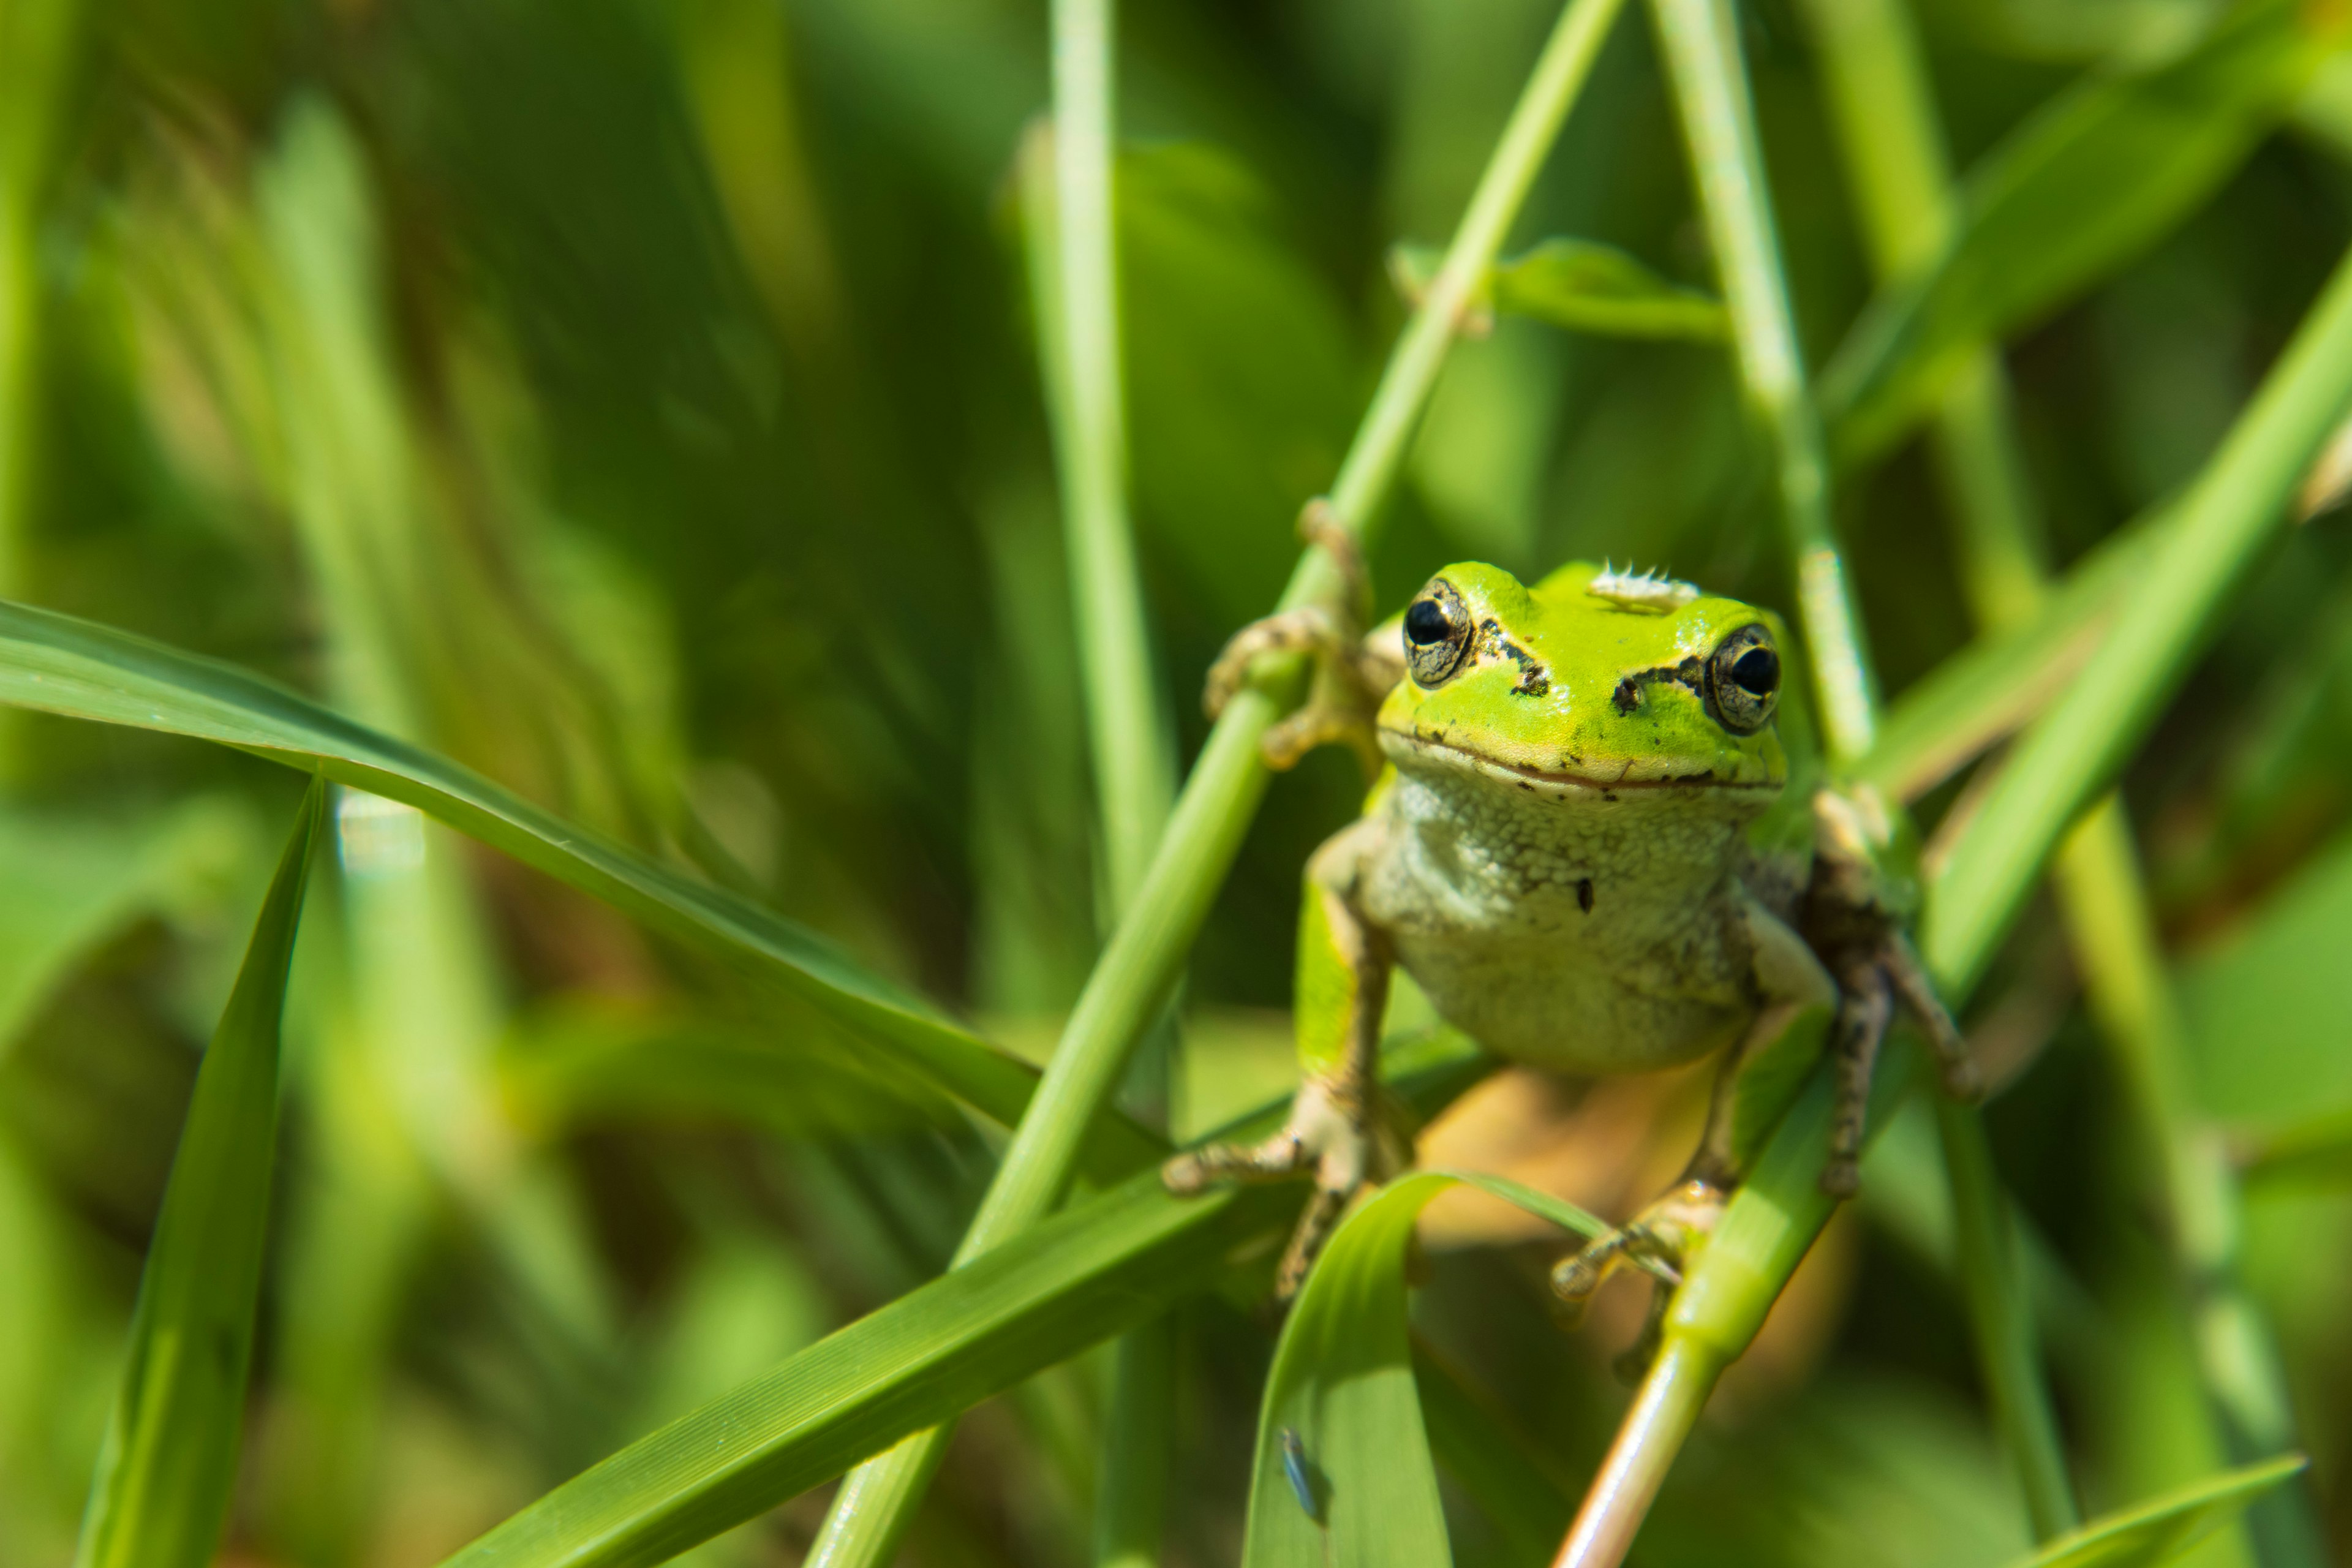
x: 1404, y: 747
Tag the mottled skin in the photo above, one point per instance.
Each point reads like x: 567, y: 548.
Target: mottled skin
x: 1585, y: 850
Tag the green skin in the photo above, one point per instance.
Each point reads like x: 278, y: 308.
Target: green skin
x: 1586, y: 851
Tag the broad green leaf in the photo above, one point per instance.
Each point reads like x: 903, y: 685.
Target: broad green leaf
x: 164, y: 1475
x: 1098, y: 1269
x: 1580, y: 284
x: 1343, y: 1471
x: 2081, y: 189
x: 61, y: 664
x: 2161, y: 1531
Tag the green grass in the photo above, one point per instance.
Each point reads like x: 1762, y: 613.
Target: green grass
x: 728, y: 504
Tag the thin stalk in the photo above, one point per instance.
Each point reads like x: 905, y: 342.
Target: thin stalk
x: 1901, y: 176
x: 1774, y: 1217
x: 39, y: 46
x: 1654, y: 1431
x: 2067, y: 758
x: 1700, y: 40
x: 1066, y: 182
x: 1139, y: 962
x: 2131, y: 999
x: 2001, y: 1321
x: 1073, y: 272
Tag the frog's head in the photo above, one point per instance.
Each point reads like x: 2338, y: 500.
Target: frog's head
x: 1591, y: 679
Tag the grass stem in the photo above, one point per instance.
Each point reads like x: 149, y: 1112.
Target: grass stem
x: 1700, y: 41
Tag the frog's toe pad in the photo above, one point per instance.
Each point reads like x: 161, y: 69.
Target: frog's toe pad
x: 1657, y: 1241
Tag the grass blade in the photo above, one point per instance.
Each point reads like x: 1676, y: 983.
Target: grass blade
x: 1700, y: 42
x: 1997, y: 684
x: 60, y: 665
x: 1580, y: 284
x: 2083, y: 187
x: 2162, y: 1529
x: 1097, y: 1268
x: 2073, y: 752
x: 1341, y: 1425
x: 164, y: 1475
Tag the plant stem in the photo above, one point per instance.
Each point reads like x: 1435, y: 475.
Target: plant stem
x: 1073, y: 265
x: 2074, y: 750
x: 1896, y: 165
x: 1067, y: 210
x: 1664, y: 1413
x: 2001, y: 1321
x: 1138, y: 963
x: 1700, y: 40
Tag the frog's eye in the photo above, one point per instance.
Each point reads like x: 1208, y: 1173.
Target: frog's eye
x: 1743, y: 681
x: 1436, y: 633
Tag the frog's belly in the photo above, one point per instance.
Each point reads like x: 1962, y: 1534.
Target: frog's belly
x: 1543, y: 1004
x: 1592, y: 940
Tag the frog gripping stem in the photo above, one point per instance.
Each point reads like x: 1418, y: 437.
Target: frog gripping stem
x: 1349, y: 678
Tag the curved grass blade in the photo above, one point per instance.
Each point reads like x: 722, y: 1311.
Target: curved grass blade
x: 1090, y: 1272
x: 2087, y: 185
x: 1344, y: 1473
x: 2161, y: 1531
x: 1578, y: 284
x: 163, y: 1479
x: 61, y: 664
x: 1997, y: 684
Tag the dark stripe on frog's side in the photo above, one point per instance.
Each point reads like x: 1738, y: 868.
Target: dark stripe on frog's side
x: 1534, y: 679
x: 1690, y: 672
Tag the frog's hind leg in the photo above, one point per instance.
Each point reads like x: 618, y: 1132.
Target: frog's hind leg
x: 1865, y: 1005
x: 1794, y: 984
x: 1342, y: 991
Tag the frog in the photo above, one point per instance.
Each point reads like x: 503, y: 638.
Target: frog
x: 1599, y: 842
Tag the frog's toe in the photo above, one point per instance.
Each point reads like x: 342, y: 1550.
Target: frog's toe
x: 1196, y: 1171
x: 1308, y: 629
x: 1317, y: 724
x: 1658, y: 1241
x: 1327, y: 1136
x: 1900, y: 961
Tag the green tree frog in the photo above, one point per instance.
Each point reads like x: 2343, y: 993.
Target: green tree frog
x: 1587, y: 846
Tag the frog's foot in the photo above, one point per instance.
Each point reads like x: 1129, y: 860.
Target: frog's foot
x: 1658, y: 1241
x: 1350, y: 679
x: 1869, y: 987
x: 1329, y: 1137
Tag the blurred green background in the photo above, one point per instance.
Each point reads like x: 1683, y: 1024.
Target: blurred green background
x: 637, y: 400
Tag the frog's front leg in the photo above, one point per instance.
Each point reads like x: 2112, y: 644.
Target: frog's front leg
x: 1854, y: 917
x: 1353, y: 673
x: 1342, y: 991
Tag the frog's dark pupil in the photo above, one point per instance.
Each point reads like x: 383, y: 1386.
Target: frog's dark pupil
x: 1757, y: 671
x: 1425, y: 623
